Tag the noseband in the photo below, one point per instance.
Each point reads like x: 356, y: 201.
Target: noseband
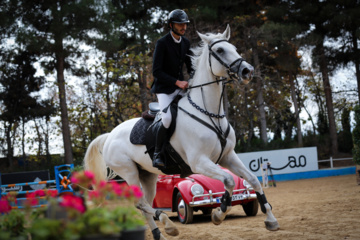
x: 232, y: 75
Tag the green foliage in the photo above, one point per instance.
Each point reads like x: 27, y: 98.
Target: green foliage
x: 97, y: 221
x: 12, y: 225
x: 129, y: 218
x: 356, y: 136
x: 345, y: 137
x: 45, y: 229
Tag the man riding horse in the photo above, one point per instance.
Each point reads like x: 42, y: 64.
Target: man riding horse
x: 171, y: 52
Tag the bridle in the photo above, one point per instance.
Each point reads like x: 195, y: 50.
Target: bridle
x: 233, y: 76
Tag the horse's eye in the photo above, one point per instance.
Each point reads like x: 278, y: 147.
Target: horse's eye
x: 220, y: 50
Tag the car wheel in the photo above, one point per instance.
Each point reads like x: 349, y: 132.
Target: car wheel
x: 251, y: 208
x: 184, y: 211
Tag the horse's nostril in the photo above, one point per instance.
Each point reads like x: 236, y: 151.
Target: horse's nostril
x: 245, y: 71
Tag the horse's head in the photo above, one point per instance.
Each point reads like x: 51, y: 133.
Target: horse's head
x: 224, y: 60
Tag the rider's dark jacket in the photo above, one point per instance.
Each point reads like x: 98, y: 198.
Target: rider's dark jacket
x: 169, y: 58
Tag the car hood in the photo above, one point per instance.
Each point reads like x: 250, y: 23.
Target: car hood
x: 213, y: 184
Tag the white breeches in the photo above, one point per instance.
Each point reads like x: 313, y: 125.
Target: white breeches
x: 164, y: 101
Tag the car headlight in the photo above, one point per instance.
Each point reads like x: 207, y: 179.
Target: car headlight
x: 246, y: 184
x: 197, y: 189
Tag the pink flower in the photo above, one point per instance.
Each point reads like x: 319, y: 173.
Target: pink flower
x: 89, y: 175
x: 84, y: 179
x: 51, y: 193
x: 39, y: 193
x: 132, y: 191
x: 136, y: 190
x: 4, y: 206
x: 31, y: 199
x: 116, y: 188
x: 102, y: 184
x: 73, y: 178
x: 73, y: 202
x: 94, y: 195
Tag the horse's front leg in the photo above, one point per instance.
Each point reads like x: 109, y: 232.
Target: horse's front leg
x: 211, y: 170
x: 235, y: 165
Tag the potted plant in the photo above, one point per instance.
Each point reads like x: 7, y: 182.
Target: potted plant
x: 106, y: 211
x: 356, y: 141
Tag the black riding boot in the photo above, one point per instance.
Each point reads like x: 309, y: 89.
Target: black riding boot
x: 160, y: 139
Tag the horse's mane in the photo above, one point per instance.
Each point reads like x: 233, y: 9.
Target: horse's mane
x: 198, y: 50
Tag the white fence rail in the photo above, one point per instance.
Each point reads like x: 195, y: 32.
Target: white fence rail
x: 331, y: 160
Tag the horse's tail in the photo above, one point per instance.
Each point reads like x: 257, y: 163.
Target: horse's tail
x: 93, y: 159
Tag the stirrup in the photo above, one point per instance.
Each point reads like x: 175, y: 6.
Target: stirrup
x: 158, y: 163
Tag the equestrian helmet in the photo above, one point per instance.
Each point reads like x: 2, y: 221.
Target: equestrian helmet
x: 177, y: 16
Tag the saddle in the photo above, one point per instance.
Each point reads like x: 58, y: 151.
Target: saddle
x: 144, y: 133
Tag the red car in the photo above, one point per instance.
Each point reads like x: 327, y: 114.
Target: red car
x: 198, y: 192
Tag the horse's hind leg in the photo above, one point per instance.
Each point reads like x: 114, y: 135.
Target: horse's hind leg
x: 148, y: 183
x: 235, y: 165
x: 130, y: 173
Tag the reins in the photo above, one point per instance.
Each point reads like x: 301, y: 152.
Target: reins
x: 208, y: 83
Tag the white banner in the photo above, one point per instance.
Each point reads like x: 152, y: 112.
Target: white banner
x: 282, y: 161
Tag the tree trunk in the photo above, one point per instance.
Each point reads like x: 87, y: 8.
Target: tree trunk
x: 63, y: 107
x: 329, y: 100
x: 356, y: 60
x: 40, y: 138
x: 109, y: 124
x: 260, y: 99
x: 46, y: 141
x: 250, y: 117
x: 23, y: 139
x: 10, y: 151
x: 297, y: 112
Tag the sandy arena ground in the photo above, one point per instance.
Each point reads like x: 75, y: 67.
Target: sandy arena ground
x: 323, y: 208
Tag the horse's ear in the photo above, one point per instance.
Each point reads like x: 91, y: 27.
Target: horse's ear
x: 226, y: 34
x: 204, y: 37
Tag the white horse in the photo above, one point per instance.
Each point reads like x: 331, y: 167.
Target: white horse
x: 196, y: 141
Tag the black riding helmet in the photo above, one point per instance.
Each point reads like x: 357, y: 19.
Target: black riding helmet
x: 177, y: 16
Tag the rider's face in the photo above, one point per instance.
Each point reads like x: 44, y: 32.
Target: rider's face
x: 179, y: 28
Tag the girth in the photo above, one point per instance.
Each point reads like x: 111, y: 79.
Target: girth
x: 221, y: 135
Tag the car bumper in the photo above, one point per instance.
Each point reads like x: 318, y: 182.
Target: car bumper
x: 238, y: 195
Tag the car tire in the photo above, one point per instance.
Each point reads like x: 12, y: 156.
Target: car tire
x: 251, y: 208
x: 184, y: 211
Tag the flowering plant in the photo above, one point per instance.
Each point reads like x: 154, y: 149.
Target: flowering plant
x: 108, y: 209
x: 109, y: 206
x: 15, y: 224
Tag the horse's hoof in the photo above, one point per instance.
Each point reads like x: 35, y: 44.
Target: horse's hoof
x: 170, y: 227
x: 214, y: 218
x: 172, y: 231
x: 272, y: 226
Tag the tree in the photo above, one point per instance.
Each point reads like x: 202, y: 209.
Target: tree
x: 18, y: 84
x: 316, y: 35
x: 281, y: 33
x: 55, y: 30
x: 345, y: 29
